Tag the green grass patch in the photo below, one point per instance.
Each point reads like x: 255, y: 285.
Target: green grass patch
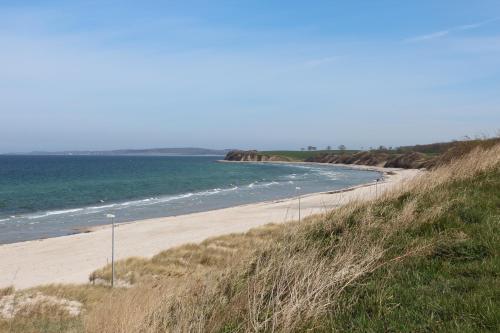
x: 455, y: 287
x: 299, y: 155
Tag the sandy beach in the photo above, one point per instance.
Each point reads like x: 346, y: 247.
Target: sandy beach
x: 70, y: 259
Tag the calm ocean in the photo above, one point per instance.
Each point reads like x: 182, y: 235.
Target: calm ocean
x: 48, y: 196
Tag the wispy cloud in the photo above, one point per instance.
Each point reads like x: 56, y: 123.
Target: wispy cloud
x: 320, y: 61
x: 446, y: 32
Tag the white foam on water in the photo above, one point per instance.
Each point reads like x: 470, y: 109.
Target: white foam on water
x: 311, y: 170
x: 270, y: 184
x: 102, y: 207
x: 159, y: 200
x: 261, y: 185
x: 153, y: 201
x: 215, y: 191
x: 332, y: 175
x: 122, y: 205
x: 54, y: 212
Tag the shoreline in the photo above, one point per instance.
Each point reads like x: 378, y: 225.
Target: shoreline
x: 384, y: 171
x: 350, y: 166
x: 83, y: 228
x: 71, y: 258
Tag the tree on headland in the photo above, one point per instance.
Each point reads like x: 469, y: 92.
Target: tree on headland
x: 341, y: 147
x: 328, y: 147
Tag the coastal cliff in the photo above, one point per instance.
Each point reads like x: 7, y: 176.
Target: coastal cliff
x: 410, y: 160
x: 426, y: 156
x: 253, y: 156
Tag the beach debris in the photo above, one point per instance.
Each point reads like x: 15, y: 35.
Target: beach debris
x: 11, y: 304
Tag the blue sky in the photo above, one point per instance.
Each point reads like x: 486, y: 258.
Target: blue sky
x: 246, y: 74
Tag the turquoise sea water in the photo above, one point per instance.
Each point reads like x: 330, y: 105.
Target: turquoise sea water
x: 47, y: 196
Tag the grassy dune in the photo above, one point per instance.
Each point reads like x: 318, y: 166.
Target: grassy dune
x: 421, y: 258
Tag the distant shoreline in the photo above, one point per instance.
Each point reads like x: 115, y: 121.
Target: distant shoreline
x: 113, y: 155
x: 181, y: 151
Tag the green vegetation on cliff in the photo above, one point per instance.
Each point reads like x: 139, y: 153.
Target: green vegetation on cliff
x: 414, y: 157
x: 428, y: 150
x: 304, y: 154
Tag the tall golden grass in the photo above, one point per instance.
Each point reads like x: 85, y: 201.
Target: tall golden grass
x: 279, y: 278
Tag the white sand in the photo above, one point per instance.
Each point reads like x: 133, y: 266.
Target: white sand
x: 70, y: 259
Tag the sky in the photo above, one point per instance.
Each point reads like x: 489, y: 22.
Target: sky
x: 78, y: 75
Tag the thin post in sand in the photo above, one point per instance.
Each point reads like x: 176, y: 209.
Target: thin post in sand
x: 112, y: 217
x: 298, y: 189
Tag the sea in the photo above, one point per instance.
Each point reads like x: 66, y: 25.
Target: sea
x: 50, y: 196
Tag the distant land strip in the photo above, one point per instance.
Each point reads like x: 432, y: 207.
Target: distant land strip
x: 150, y: 151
